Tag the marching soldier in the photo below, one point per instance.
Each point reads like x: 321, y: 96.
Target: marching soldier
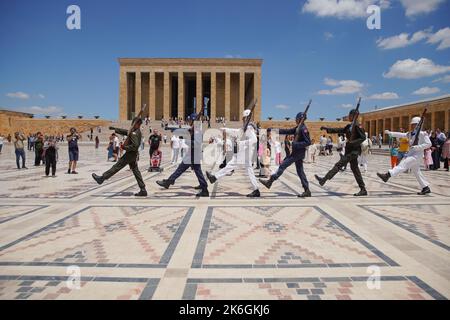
x: 413, y: 158
x: 130, y: 157
x: 299, y: 145
x: 190, y: 159
x: 244, y: 157
x: 352, y: 151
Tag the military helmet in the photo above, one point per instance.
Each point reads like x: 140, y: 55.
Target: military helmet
x: 300, y: 115
x: 415, y: 120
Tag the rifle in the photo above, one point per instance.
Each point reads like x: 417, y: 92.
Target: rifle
x: 124, y: 132
x: 251, y: 107
x: 355, y: 118
x: 418, y: 128
x: 303, y: 119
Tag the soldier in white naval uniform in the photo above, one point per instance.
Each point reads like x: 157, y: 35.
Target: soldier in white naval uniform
x: 414, y: 157
x: 244, y: 157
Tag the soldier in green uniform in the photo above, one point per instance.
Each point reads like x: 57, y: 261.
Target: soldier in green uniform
x: 129, y: 158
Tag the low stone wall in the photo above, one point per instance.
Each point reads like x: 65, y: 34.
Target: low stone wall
x: 11, y: 124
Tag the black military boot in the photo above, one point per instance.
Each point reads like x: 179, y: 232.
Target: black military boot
x: 267, y: 183
x: 321, y: 180
x: 211, y: 177
x: 361, y: 193
x: 164, y: 183
x: 424, y: 191
x: 203, y: 193
x: 97, y: 178
x: 141, y: 193
x: 305, y: 194
x: 384, y: 176
x: 198, y: 187
x: 254, y: 194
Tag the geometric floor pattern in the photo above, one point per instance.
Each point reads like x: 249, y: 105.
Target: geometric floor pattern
x: 55, y: 232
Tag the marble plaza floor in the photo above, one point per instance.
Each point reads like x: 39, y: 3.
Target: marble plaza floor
x: 171, y: 245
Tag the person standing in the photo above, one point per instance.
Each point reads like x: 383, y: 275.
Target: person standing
x: 72, y: 140
x: 414, y: 157
x: 394, y: 154
x: 131, y: 146
x: 435, y: 151
x: 165, y: 138
x: 299, y: 145
x: 97, y: 142
x: 154, y: 141
x: 1, y: 143
x: 191, y: 159
x: 446, y: 153
x: 38, y: 149
x: 363, y: 159
x: 51, y: 156
x: 19, y: 149
x: 352, y: 151
x: 175, y: 146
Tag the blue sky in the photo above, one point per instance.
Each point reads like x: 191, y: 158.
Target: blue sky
x: 318, y: 49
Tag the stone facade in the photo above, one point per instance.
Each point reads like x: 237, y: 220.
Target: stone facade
x: 169, y: 87
x: 396, y: 117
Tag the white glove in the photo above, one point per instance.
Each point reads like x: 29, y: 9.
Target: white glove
x: 414, y: 148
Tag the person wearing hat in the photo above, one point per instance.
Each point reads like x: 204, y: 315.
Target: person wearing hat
x: 352, y: 151
x: 190, y: 159
x: 129, y: 158
x: 246, y: 148
x: 413, y: 158
x: 299, y: 144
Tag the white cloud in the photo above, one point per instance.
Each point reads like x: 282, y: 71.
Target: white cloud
x: 328, y: 35
x: 232, y: 56
x: 282, y: 106
x: 411, y: 69
x: 341, y: 87
x: 416, y: 7
x: 402, y: 40
x: 442, y: 37
x: 50, y: 110
x: 444, y: 79
x: 346, y: 105
x: 18, y: 95
x: 384, y: 96
x: 41, y: 96
x: 426, y: 91
x: 341, y: 9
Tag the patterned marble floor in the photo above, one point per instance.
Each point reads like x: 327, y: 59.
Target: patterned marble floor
x: 69, y: 238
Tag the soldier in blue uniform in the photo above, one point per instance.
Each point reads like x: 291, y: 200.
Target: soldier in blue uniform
x: 191, y: 159
x: 299, y: 145
x: 352, y: 151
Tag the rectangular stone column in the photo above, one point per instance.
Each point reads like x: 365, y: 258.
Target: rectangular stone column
x: 257, y: 94
x: 138, y: 104
x: 213, y: 102
x: 180, y: 95
x: 447, y: 120
x: 242, y: 105
x: 433, y: 121
x: 123, y: 95
x: 152, y: 98
x: 166, y: 103
x: 199, y: 91
x: 227, y: 96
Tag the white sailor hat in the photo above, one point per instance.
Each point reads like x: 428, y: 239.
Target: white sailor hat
x: 246, y: 113
x: 415, y: 120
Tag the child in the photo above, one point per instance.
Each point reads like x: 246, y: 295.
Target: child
x: 394, y: 154
x: 312, y: 150
x: 428, y: 159
x: 51, y: 156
